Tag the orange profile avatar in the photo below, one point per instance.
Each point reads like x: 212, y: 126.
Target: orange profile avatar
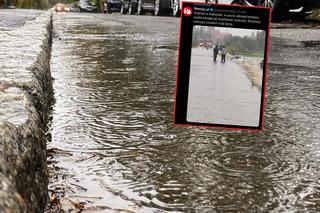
x: 187, y: 11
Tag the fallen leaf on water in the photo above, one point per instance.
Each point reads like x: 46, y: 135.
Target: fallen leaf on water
x: 68, y: 205
x: 54, y: 200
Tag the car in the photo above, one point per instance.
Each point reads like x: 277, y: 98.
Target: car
x: 112, y: 5
x: 156, y: 7
x: 59, y: 7
x: 73, y: 7
x: 281, y: 8
x: 209, y: 45
x: 87, y: 7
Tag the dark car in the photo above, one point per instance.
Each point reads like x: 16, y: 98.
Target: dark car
x: 281, y: 8
x: 156, y: 7
x: 87, y: 8
x: 112, y: 5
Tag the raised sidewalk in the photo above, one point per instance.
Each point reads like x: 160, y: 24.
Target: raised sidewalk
x: 25, y: 97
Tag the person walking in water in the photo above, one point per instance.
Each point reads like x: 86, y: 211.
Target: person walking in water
x: 223, y: 54
x: 215, y: 53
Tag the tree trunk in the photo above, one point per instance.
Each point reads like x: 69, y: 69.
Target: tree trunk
x: 100, y: 6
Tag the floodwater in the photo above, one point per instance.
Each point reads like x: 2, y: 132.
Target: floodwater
x: 221, y: 93
x: 114, y: 147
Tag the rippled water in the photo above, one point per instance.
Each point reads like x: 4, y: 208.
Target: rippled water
x: 114, y: 145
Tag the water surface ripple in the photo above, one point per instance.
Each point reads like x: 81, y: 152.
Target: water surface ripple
x: 116, y: 146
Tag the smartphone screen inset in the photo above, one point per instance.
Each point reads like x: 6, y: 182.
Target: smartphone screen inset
x: 222, y: 66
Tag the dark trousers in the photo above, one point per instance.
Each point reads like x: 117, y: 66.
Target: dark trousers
x: 223, y: 58
x: 215, y: 57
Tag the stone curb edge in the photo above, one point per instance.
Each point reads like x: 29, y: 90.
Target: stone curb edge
x: 26, y: 95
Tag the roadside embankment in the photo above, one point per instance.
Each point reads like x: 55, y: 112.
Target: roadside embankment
x: 253, y: 72
x: 25, y: 97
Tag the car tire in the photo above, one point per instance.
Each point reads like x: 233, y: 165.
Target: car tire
x: 280, y: 8
x: 157, y: 8
x: 176, y: 8
x: 140, y: 8
x: 123, y: 9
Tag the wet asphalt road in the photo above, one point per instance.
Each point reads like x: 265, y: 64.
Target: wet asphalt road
x: 13, y: 18
x: 114, y: 146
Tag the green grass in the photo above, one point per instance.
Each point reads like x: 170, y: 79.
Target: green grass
x: 253, y: 54
x: 315, y: 14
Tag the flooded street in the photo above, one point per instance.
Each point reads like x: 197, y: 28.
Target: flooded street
x: 114, y: 147
x: 221, y: 93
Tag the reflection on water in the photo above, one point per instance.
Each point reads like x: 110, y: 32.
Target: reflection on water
x: 116, y: 148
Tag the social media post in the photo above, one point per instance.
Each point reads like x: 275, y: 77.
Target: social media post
x: 221, y: 74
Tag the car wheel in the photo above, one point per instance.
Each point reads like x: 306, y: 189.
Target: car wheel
x: 157, y: 7
x: 140, y: 8
x: 122, y: 9
x: 176, y: 8
x: 280, y: 8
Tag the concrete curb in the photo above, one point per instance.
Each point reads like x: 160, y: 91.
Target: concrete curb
x: 25, y: 97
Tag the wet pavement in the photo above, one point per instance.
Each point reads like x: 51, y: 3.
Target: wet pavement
x: 13, y: 18
x: 114, y: 148
x: 221, y: 93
